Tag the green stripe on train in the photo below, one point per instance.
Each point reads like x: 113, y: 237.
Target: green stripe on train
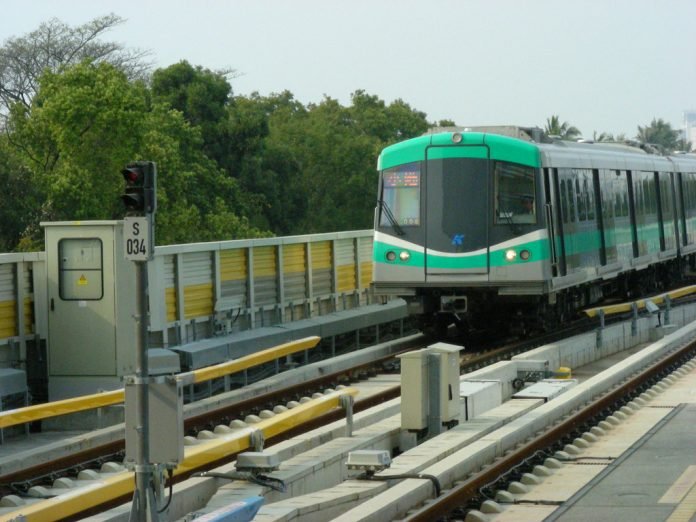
x: 539, y: 250
x: 440, y: 146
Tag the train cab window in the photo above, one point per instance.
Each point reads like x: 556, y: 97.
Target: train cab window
x: 514, y: 193
x: 400, y: 202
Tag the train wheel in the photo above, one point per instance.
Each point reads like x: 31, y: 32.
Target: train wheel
x: 441, y: 324
x: 463, y: 326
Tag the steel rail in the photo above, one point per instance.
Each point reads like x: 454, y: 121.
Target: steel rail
x: 621, y: 308
x: 211, y: 418
x: 470, y: 489
x: 197, y: 457
x: 99, y: 400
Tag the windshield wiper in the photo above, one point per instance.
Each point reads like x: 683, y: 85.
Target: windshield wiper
x: 392, y: 220
x: 508, y: 219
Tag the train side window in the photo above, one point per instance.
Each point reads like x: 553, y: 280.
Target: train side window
x: 564, y: 200
x: 571, y: 202
x: 650, y: 194
x: 618, y: 212
x: 582, y: 212
x: 589, y: 190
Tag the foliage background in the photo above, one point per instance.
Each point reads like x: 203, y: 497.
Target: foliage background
x: 75, y: 109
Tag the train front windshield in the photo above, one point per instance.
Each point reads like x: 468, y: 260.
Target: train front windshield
x: 401, y: 196
x: 452, y: 207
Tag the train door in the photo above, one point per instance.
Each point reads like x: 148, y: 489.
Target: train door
x: 608, y: 190
x: 554, y: 221
x: 569, y: 217
x: 667, y: 211
x: 456, y: 210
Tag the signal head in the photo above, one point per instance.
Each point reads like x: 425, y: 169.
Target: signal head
x: 139, y: 195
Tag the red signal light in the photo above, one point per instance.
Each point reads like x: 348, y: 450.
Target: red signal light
x: 139, y: 196
x: 132, y: 175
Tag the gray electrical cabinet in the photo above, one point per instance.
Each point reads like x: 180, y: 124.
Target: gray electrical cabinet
x: 414, y: 390
x: 91, y: 305
x: 165, y: 424
x: 416, y: 387
x: 449, y: 379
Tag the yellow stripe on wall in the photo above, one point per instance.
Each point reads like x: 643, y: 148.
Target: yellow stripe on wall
x: 321, y: 255
x: 8, y: 319
x: 294, y: 259
x: 346, y: 278
x: 365, y: 274
x: 170, y: 302
x: 264, y: 261
x: 198, y: 300
x: 233, y: 265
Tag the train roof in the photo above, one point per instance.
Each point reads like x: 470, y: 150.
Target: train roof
x: 531, y: 146
x: 614, y: 156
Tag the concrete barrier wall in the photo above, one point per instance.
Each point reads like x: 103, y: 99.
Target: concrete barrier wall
x: 203, y: 290
x: 585, y: 348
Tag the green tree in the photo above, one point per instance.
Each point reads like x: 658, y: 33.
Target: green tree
x: 661, y: 134
x: 82, y: 126
x: 202, y: 96
x: 19, y: 192
x: 54, y: 45
x: 196, y: 200
x: 86, y: 122
x: 324, y: 156
x: 564, y: 131
x: 269, y: 163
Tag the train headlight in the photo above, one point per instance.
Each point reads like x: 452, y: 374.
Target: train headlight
x: 391, y: 256
x: 525, y: 255
x: 457, y: 137
x: 510, y: 255
x: 404, y: 256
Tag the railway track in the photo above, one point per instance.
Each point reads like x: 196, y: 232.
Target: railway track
x: 101, y: 462
x: 68, y: 472
x: 470, y: 493
x: 471, y: 360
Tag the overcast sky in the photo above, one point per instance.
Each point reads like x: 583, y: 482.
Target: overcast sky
x: 601, y: 65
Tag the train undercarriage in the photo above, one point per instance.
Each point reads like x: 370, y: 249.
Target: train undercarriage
x: 472, y: 309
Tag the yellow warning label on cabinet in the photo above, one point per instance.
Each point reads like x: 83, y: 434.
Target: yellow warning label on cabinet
x: 82, y: 281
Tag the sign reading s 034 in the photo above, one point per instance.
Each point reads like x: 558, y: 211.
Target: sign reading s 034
x: 136, y: 239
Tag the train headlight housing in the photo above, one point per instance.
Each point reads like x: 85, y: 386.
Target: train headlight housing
x: 391, y: 256
x: 457, y: 137
x: 525, y: 255
x: 510, y: 255
x: 404, y: 256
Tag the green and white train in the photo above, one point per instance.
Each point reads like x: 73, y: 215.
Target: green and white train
x: 506, y: 227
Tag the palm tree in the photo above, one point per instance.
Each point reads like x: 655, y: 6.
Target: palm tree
x: 603, y: 137
x: 564, y: 131
x: 684, y: 146
x: 659, y: 133
x: 608, y: 137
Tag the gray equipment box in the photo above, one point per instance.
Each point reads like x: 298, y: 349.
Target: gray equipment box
x: 546, y: 389
x: 477, y: 397
x: 165, y: 425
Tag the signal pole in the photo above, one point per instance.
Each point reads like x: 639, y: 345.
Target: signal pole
x: 144, y: 506
x: 138, y: 237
